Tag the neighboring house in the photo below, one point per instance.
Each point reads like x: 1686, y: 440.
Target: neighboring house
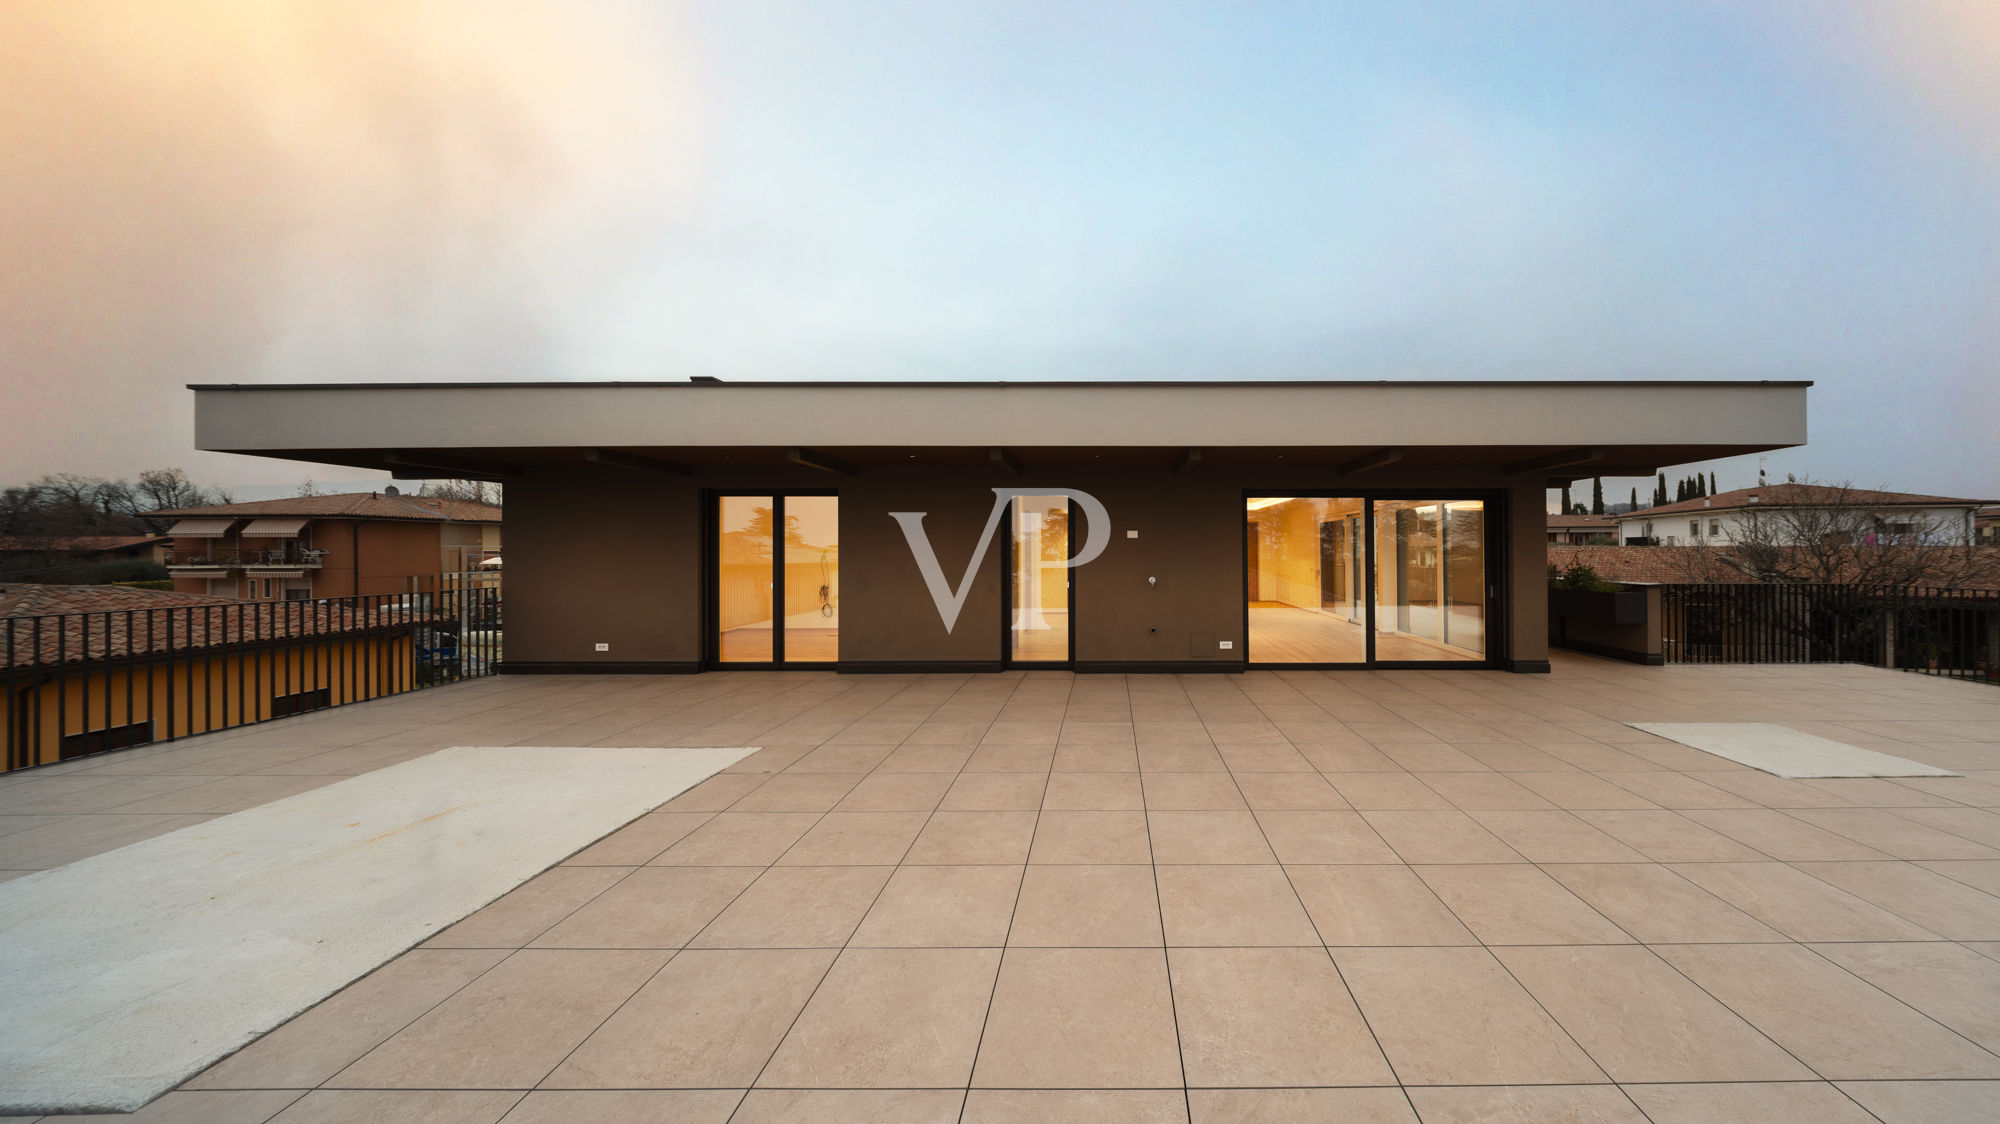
x: 327, y: 546
x: 19, y: 553
x: 1721, y: 565
x: 89, y: 668
x: 1986, y: 525
x: 1723, y: 518
x: 1582, y: 529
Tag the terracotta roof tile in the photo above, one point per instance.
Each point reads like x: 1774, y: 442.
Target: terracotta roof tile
x: 1780, y: 495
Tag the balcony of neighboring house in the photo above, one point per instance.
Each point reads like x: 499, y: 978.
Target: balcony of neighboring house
x: 252, y: 559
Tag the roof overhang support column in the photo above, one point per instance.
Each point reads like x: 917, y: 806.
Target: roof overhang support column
x: 443, y: 466
x: 1565, y: 459
x: 1002, y: 461
x: 1380, y: 458
x: 813, y: 459
x: 634, y: 461
x: 1186, y: 462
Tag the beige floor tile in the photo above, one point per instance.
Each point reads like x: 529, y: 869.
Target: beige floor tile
x: 1087, y: 907
x: 1518, y: 904
x: 797, y: 907
x: 917, y: 758
x: 798, y: 792
x: 1192, y: 792
x: 1483, y: 791
x: 1430, y: 757
x: 739, y: 839
x: 653, y: 907
x: 1261, y: 757
x: 1094, y: 792
x: 1579, y: 790
x: 1269, y: 1016
x: 1526, y: 1104
x: 1095, y: 759
x: 1894, y: 835
x: 1197, y: 756
x: 1375, y: 905
x: 1799, y: 905
x: 831, y: 1106
x: 1790, y: 1102
x: 1781, y: 836
x: 508, y: 1028
x: 1641, y: 1020
x: 1926, y: 1102
x: 1513, y: 757
x: 1300, y: 1106
x: 1976, y: 824
x: 233, y: 1107
x: 708, y: 1020
x: 1669, y: 837
x: 857, y: 839
x: 1042, y: 1106
x: 530, y: 909
x: 1923, y: 897
x: 1656, y: 905
x: 640, y: 841
x: 1325, y: 837
x: 832, y: 758
x: 1981, y: 875
x: 1080, y: 1019
x: 1439, y: 837
x: 974, y: 839
x: 1091, y: 838
x: 1676, y: 790
x: 994, y: 792
x: 1008, y: 757
x: 390, y: 1106
x: 1291, y: 792
x: 322, y: 1041
x: 1387, y: 791
x: 1234, y: 905
x: 1337, y: 757
x: 1453, y: 1016
x: 716, y: 793
x: 1555, y: 837
x: 942, y: 907
x: 1207, y: 837
x: 1952, y: 984
x: 896, y: 792
x: 626, y: 1106
x: 889, y: 1018
x: 1828, y: 1018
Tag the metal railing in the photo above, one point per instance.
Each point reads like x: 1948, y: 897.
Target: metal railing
x: 1954, y: 633
x: 291, y: 554
x: 82, y: 683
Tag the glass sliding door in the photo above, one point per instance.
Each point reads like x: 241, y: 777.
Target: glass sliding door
x: 1306, y: 579
x: 812, y: 579
x: 1430, y: 580
x: 746, y: 582
x: 1038, y: 606
x: 774, y: 612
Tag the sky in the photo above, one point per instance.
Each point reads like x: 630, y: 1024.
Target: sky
x: 267, y: 191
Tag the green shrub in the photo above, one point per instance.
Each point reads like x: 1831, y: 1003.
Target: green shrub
x: 1580, y: 576
x: 123, y: 570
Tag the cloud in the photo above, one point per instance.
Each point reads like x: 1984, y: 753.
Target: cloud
x: 236, y: 190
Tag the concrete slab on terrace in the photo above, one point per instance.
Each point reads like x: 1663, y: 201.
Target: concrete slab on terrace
x: 1388, y: 896
x: 1785, y: 752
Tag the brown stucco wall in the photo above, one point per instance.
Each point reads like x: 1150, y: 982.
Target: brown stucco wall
x: 615, y: 556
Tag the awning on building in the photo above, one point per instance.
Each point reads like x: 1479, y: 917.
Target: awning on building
x: 274, y: 528
x: 200, y: 528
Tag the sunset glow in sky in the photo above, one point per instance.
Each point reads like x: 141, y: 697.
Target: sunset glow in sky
x: 209, y: 191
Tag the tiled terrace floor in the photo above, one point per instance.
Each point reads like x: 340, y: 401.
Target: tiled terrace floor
x: 1314, y: 896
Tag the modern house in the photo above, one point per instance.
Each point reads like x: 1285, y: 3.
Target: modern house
x: 85, y: 669
x: 1727, y: 517
x: 1582, y: 530
x: 327, y: 546
x: 959, y: 526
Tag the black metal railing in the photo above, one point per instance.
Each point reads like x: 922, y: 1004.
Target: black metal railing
x: 1935, y: 631
x: 82, y: 683
x: 290, y: 554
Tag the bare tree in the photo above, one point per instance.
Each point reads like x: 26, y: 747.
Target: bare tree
x: 307, y: 488
x: 164, y: 489
x: 476, y: 491
x: 1804, y: 532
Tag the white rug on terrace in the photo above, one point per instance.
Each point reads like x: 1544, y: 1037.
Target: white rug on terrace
x: 125, y: 973
x: 1785, y: 752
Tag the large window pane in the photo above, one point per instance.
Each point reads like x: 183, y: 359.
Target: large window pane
x: 1306, y: 579
x: 812, y: 579
x: 744, y: 578
x: 1430, y: 580
x: 1039, y: 606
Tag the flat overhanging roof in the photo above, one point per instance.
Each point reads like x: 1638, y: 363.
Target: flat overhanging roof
x: 1556, y: 429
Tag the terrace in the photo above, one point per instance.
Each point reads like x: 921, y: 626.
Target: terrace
x: 1381, y: 896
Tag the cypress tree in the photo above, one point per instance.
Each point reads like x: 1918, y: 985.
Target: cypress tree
x: 1712, y: 489
x: 1660, y: 491
x: 1597, y: 496
x: 1565, y: 500
x: 1634, y: 506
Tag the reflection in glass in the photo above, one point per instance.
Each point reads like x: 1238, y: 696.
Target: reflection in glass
x: 1430, y: 580
x: 1039, y: 608
x: 1306, y: 579
x: 744, y: 580
x: 812, y: 579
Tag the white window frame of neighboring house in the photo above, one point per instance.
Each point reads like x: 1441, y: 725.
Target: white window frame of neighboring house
x: 1694, y: 528
x: 1715, y: 528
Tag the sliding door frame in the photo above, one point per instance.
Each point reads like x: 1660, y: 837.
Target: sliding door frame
x: 711, y: 571
x: 1007, y: 660
x: 1495, y: 549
